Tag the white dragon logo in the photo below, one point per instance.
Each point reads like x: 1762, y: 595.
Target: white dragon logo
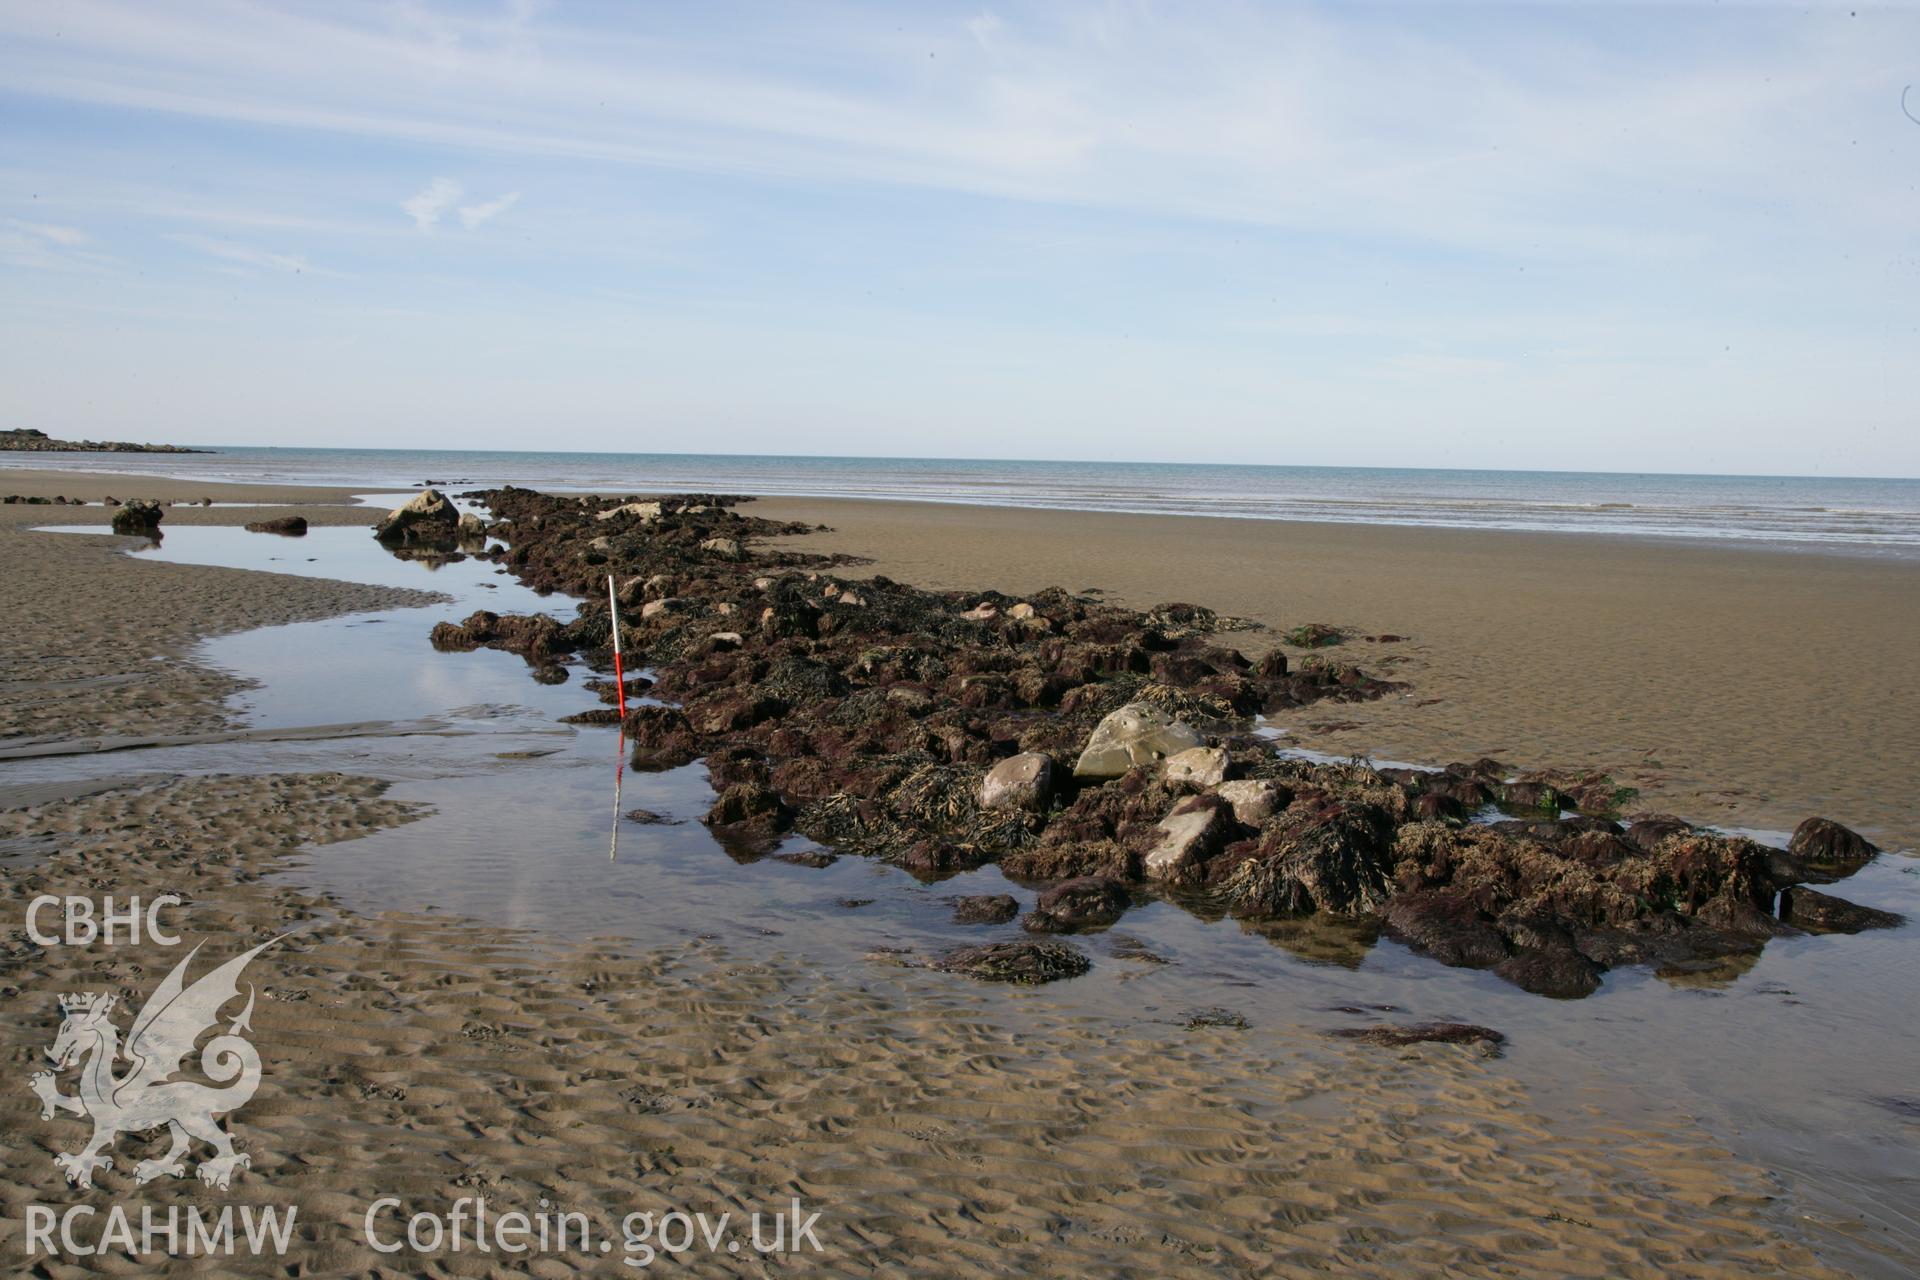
x: 147, y: 1098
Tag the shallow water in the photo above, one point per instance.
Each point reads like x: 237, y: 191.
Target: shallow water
x: 1798, y: 1061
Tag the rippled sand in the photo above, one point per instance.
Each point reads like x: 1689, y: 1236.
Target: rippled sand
x: 941, y: 1129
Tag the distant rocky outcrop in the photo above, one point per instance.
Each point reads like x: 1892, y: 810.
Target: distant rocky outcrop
x: 28, y: 440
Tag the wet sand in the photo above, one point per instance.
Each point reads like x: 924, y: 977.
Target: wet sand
x: 941, y: 1128
x: 1738, y: 684
x: 94, y: 645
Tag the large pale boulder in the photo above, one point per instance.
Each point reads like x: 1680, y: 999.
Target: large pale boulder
x: 1254, y: 800
x: 1193, y: 831
x: 646, y: 512
x: 426, y: 517
x: 1024, y: 781
x: 1198, y: 767
x: 1137, y: 733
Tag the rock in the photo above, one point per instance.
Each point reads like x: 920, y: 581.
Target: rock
x: 1021, y: 612
x: 287, y: 526
x: 985, y: 611
x: 139, y: 518
x: 1028, y: 963
x: 1527, y: 797
x: 1818, y: 912
x: 1024, y: 781
x: 1195, y: 829
x: 985, y: 908
x: 1254, y: 800
x: 1320, y: 855
x: 1398, y: 1037
x: 727, y: 547
x: 748, y: 820
x: 425, y: 518
x: 1825, y: 845
x: 725, y: 640
x: 1085, y: 902
x: 645, y: 512
x: 1137, y: 733
x: 1648, y: 829
x: 1446, y: 924
x: 1198, y: 767
x: 1314, y: 635
x: 662, y: 737
x: 471, y: 527
x: 665, y: 605
x: 1213, y: 1016
x: 1560, y: 972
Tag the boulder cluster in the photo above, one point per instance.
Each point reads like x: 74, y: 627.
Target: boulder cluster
x: 1102, y: 753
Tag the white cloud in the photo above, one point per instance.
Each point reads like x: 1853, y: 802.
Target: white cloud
x: 245, y: 255
x: 472, y: 215
x: 427, y: 206
x: 47, y: 247
x: 70, y: 237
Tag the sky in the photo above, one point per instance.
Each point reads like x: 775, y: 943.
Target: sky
x: 1640, y: 237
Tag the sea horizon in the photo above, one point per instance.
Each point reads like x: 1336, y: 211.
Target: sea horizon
x: 1874, y: 515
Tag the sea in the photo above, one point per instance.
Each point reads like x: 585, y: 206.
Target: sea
x: 1864, y: 514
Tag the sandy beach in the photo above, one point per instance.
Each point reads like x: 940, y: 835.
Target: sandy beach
x: 943, y: 1128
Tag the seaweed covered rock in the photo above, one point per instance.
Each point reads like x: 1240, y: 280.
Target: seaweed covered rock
x: 1818, y: 912
x: 1025, y: 963
x: 1402, y: 1035
x: 1825, y: 846
x: 985, y: 908
x: 930, y: 729
x: 1324, y: 853
x: 285, y: 526
x: 138, y: 518
x: 1084, y: 902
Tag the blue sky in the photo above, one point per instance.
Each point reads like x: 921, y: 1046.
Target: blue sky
x: 1645, y: 237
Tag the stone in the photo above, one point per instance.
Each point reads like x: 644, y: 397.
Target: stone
x: 1254, y: 800
x: 1825, y: 844
x: 286, y: 526
x: 426, y: 517
x: 1200, y: 767
x: 471, y: 526
x: 1137, y: 733
x: 985, y: 908
x: 1818, y: 912
x: 1028, y: 963
x: 1021, y: 612
x: 1024, y: 781
x: 1084, y: 902
x: 645, y: 512
x: 1194, y: 830
x: 665, y: 605
x: 138, y: 517
x: 728, y: 547
x: 982, y: 612
x: 1399, y: 1037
